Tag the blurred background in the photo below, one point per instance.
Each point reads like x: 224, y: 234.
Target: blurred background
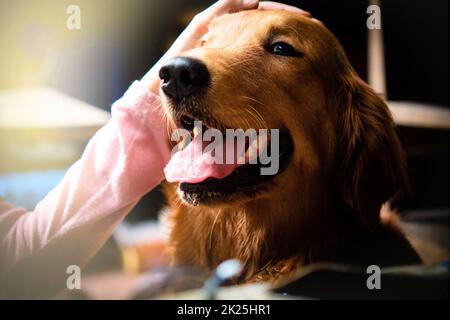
x: 57, y: 86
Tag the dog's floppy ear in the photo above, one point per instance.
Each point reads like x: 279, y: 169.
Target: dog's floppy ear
x: 371, y: 164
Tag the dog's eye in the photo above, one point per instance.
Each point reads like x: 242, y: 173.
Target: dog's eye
x: 283, y: 49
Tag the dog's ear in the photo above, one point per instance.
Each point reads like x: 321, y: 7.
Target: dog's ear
x: 371, y: 164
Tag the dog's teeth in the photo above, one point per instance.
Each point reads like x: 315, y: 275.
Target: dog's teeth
x: 252, y: 151
x: 254, y: 144
x: 184, y: 143
x: 196, y: 131
x: 242, y: 157
x: 262, y: 141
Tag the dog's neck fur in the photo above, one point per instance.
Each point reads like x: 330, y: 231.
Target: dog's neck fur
x: 271, y: 249
x: 257, y: 233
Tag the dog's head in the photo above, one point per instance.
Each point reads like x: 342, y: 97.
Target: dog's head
x: 336, y: 142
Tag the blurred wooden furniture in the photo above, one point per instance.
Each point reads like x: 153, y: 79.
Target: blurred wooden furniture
x: 41, y: 128
x: 419, y: 115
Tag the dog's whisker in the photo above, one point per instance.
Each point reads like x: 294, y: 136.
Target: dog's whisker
x: 165, y: 116
x: 252, y: 117
x: 258, y: 117
x: 212, y: 229
x: 256, y: 114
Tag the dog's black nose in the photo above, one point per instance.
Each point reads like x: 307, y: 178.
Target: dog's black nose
x: 182, y: 77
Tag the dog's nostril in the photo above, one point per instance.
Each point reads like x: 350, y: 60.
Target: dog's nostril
x: 164, y: 74
x: 182, y: 77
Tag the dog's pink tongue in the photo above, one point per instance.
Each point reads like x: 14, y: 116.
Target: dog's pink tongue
x: 191, y: 165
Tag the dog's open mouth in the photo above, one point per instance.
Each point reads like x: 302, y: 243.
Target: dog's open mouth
x: 205, y: 173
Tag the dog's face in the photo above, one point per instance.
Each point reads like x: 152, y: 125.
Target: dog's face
x: 279, y: 70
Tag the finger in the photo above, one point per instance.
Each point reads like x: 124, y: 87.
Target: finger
x: 270, y: 5
x: 228, y: 6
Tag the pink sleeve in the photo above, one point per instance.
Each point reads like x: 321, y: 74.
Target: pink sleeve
x: 122, y: 162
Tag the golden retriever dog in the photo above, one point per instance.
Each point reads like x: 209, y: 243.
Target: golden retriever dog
x: 339, y: 156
